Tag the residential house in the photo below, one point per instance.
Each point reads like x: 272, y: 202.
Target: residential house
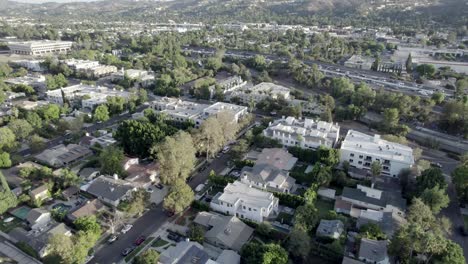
x: 360, y: 150
x: 109, y: 190
x: 61, y: 155
x: 306, y: 133
x: 363, y: 197
x: 69, y: 192
x: 225, y: 232
x: 244, y: 201
x: 277, y: 157
x: 187, y: 252
x: 38, y: 218
x: 330, y: 228
x: 373, y: 251
x: 89, y: 208
x: 267, y: 177
x: 142, y: 175
x: 142, y: 77
x: 387, y: 221
x: 40, y: 193
x: 38, y: 239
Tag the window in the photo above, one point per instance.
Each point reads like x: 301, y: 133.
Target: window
x: 359, y: 162
x: 352, y: 154
x: 361, y: 156
x: 243, y: 207
x: 250, y: 209
x: 351, y: 160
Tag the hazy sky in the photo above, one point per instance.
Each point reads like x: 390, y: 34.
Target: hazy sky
x: 58, y: 1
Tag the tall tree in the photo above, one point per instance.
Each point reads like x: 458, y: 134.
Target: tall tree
x: 111, y: 159
x: 101, y: 114
x: 176, y: 156
x: 210, y: 137
x: 179, y: 198
x: 7, y: 197
x: 409, y: 64
x: 150, y: 256
x: 435, y: 198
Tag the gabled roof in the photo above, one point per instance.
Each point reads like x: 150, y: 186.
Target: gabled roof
x: 108, y: 188
x: 35, y: 214
x: 39, y: 190
x: 374, y: 250
x: 277, y: 157
x: 229, y: 230
x: 387, y: 198
x: 90, y: 208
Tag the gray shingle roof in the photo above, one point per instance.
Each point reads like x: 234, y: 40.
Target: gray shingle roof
x: 375, y: 250
x: 108, y: 188
x: 387, y: 198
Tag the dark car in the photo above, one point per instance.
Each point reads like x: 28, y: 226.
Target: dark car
x: 140, y: 240
x: 202, y: 168
x: 463, y: 231
x: 159, y: 186
x: 175, y: 237
x: 127, y: 251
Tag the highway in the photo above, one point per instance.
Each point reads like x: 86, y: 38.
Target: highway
x: 375, y: 79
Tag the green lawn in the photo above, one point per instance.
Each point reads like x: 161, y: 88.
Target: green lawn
x: 159, y: 243
x: 138, y: 249
x: 7, y: 227
x: 323, y: 207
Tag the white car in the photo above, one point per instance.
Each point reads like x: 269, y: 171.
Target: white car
x: 126, y: 228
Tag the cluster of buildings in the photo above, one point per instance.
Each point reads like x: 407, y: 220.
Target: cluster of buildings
x: 90, y: 69
x: 185, y: 111
x: 88, y: 96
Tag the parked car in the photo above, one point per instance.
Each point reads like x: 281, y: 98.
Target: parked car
x: 463, y: 231
x: 140, y: 240
x: 126, y: 228
x: 159, y: 186
x: 150, y: 190
x: 112, y: 239
x: 127, y: 251
x: 175, y: 237
x: 202, y: 168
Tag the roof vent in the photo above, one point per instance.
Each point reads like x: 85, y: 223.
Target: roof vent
x: 227, y: 231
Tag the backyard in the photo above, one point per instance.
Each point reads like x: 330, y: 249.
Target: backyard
x: 323, y: 207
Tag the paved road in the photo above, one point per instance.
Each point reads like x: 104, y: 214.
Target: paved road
x: 145, y: 225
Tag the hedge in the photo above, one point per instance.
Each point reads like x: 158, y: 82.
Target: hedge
x: 200, y: 206
x: 290, y: 200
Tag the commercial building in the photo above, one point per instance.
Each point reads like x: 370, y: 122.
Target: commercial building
x: 243, y: 201
x: 142, y: 77
x: 90, y: 96
x: 303, y: 133
x: 360, y: 150
x: 359, y: 62
x: 184, y: 111
x: 90, y: 69
x: 42, y: 47
x: 32, y: 65
x: 260, y: 92
x: 35, y: 81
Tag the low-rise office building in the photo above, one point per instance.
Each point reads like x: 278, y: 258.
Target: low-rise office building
x: 142, y: 77
x: 304, y: 133
x: 42, y: 47
x: 184, y: 111
x: 90, y: 96
x: 260, y: 92
x: 90, y: 69
x: 360, y: 150
x: 243, y: 201
x: 359, y: 62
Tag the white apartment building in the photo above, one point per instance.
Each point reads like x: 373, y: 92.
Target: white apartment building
x: 360, y: 150
x: 39, y: 47
x: 35, y: 81
x: 144, y: 78
x: 228, y: 85
x: 244, y: 201
x: 304, y: 133
x: 184, y: 111
x: 96, y: 95
x: 260, y: 92
x: 90, y: 68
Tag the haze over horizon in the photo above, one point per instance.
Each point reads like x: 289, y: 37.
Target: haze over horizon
x: 56, y: 1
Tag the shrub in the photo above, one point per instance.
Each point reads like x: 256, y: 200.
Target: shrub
x: 200, y: 206
x: 290, y: 200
